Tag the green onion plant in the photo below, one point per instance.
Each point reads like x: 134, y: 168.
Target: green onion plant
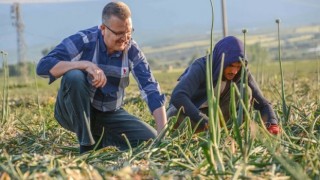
x: 5, y: 90
x: 283, y: 96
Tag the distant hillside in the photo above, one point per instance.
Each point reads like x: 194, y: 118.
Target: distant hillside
x: 296, y: 44
x: 155, y: 22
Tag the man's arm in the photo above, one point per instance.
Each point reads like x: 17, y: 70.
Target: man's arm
x: 65, y: 57
x: 261, y: 103
x: 148, y: 86
x: 264, y: 106
x: 98, y: 77
x: 186, y: 88
x: 160, y: 117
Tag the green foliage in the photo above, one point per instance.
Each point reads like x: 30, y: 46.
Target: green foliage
x: 45, y: 51
x: 21, y: 69
x: 26, y: 154
x: 5, y: 91
x: 257, y: 53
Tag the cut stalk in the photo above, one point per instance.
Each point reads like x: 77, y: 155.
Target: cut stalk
x: 318, y: 78
x: 38, y: 103
x: 284, y: 104
x: 5, y: 91
x: 233, y: 112
x: 245, y: 97
x: 213, y: 104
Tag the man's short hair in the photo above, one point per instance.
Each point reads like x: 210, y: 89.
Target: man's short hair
x: 118, y: 9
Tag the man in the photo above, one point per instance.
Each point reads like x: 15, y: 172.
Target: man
x: 95, y: 65
x: 190, y: 93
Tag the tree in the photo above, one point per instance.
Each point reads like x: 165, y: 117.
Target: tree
x: 256, y: 53
x: 46, y: 50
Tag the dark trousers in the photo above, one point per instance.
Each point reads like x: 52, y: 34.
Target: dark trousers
x: 74, y: 112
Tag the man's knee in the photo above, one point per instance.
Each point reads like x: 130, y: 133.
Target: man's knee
x: 75, y: 77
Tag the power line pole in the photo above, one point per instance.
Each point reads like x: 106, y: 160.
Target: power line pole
x: 224, y: 18
x: 18, y: 23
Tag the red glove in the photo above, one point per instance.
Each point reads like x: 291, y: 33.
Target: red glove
x: 274, y: 129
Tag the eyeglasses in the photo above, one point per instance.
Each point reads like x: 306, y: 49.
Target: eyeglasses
x: 120, y: 34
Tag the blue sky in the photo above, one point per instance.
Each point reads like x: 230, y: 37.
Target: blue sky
x: 46, y: 24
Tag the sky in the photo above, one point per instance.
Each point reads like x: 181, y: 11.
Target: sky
x: 155, y: 21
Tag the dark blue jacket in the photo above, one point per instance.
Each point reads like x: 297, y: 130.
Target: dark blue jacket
x: 190, y: 92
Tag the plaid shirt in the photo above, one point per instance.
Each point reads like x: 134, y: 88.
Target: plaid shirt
x: 89, y: 45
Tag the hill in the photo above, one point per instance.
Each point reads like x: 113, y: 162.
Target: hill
x: 297, y: 43
x: 155, y: 22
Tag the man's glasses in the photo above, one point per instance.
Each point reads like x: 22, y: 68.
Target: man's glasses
x: 120, y: 34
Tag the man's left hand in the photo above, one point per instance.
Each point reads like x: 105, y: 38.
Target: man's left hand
x: 274, y: 129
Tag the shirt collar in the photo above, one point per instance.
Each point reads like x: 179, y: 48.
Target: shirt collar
x: 103, y: 47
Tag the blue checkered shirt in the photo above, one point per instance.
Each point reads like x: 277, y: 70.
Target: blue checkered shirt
x: 89, y: 45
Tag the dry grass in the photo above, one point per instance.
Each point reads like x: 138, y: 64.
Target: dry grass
x: 25, y: 153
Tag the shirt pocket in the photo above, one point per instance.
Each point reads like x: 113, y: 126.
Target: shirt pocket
x: 110, y: 71
x: 124, y: 82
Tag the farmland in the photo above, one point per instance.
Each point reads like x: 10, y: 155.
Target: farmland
x: 34, y: 146
x: 297, y: 43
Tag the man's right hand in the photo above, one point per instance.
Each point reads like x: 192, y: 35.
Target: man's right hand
x: 99, y: 79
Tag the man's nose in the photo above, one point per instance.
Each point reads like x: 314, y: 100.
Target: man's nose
x: 234, y: 70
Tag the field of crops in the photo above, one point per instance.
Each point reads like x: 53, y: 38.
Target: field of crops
x: 34, y: 146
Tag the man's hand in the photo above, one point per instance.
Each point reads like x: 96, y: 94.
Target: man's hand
x: 274, y: 129
x: 160, y: 117
x: 204, y: 126
x: 99, y: 79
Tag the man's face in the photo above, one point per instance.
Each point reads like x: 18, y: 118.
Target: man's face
x: 230, y: 71
x: 116, y: 33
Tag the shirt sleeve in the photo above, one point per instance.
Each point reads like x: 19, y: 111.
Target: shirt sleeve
x: 186, y: 88
x: 148, y: 86
x: 260, y: 103
x: 67, y: 50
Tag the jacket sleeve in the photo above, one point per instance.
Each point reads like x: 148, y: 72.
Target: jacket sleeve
x: 187, y: 86
x: 260, y: 103
x: 69, y: 49
x: 148, y: 86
